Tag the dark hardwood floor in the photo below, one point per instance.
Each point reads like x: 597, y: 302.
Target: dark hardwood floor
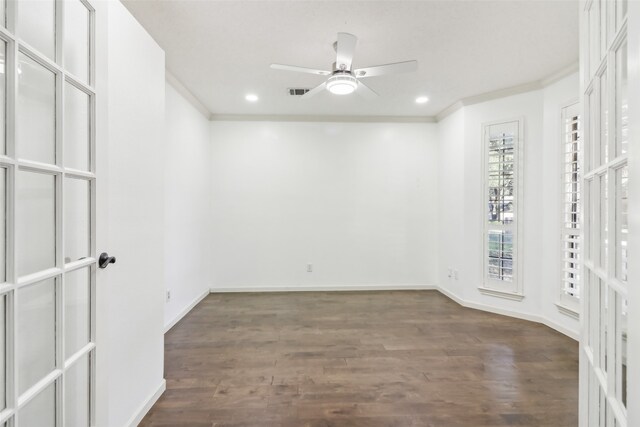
x: 401, y: 358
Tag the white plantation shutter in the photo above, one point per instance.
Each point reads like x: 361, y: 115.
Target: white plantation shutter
x: 501, y: 200
x: 571, y: 204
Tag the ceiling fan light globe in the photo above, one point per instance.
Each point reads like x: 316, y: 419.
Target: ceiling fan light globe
x: 341, y: 89
x: 342, y: 84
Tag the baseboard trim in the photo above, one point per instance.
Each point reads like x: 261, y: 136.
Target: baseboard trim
x: 381, y: 287
x: 510, y: 313
x: 185, y: 311
x: 146, y: 406
x: 568, y: 332
x: 489, y: 308
x: 324, y: 288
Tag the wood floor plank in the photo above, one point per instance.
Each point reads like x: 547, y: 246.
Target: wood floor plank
x: 396, y: 358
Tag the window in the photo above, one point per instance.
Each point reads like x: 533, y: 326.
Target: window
x: 501, y: 198
x: 571, y: 235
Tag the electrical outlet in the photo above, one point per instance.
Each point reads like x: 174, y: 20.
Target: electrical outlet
x: 309, y: 268
x: 455, y: 274
x: 450, y: 273
x: 168, y: 296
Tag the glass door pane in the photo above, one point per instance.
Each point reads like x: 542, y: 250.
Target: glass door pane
x: 3, y: 94
x: 76, y: 394
x: 35, y: 222
x: 3, y: 350
x: 76, y: 39
x: 37, y: 25
x: 77, y: 306
x: 36, y: 115
x: 622, y: 102
x: 3, y: 225
x: 76, y: 128
x: 41, y: 411
x: 77, y: 219
x: 36, y: 334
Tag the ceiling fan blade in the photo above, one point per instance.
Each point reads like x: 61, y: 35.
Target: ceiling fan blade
x: 345, y: 48
x: 316, y: 90
x: 380, y: 70
x: 300, y: 69
x: 365, y: 91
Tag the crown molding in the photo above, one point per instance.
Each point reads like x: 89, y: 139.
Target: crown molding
x: 559, y: 75
x: 186, y: 94
x: 471, y: 100
x: 312, y: 118
x: 509, y: 91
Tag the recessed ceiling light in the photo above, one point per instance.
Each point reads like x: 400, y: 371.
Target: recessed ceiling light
x: 251, y: 97
x: 422, y: 100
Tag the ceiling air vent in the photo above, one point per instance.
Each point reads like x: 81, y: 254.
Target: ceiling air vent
x: 297, y: 91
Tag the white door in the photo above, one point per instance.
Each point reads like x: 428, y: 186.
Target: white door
x: 48, y: 255
x: 131, y: 191
x: 604, y: 357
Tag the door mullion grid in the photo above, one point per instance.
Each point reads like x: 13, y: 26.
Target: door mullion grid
x: 602, y: 279
x: 58, y: 173
x: 11, y: 174
x: 617, y: 410
x: 11, y: 14
x: 12, y: 164
x: 94, y: 221
x: 610, y: 326
x: 60, y: 209
x: 92, y: 51
x: 618, y: 289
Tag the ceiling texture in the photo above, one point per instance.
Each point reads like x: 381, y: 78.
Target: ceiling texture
x: 221, y: 50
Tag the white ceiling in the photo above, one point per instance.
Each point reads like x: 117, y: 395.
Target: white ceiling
x: 221, y: 50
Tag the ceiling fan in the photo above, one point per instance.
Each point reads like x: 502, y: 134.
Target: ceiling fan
x: 343, y: 79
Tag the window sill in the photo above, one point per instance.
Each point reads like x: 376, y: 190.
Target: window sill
x: 568, y: 311
x: 514, y: 296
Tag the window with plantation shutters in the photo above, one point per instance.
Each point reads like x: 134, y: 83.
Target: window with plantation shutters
x: 502, y: 161
x: 570, y: 204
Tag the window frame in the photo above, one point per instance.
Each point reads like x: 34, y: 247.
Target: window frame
x: 509, y: 290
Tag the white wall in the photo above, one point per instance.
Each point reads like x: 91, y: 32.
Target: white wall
x: 132, y: 352
x: 356, y: 200
x: 461, y: 235
x: 451, y: 202
x: 187, y: 218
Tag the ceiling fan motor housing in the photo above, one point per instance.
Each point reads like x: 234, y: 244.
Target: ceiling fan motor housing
x: 342, y: 83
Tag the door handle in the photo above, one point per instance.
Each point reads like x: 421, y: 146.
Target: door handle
x: 105, y: 260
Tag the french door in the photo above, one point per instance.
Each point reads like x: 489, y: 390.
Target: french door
x: 603, y: 356
x: 47, y: 213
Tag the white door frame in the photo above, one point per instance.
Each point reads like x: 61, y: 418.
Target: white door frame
x: 101, y: 366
